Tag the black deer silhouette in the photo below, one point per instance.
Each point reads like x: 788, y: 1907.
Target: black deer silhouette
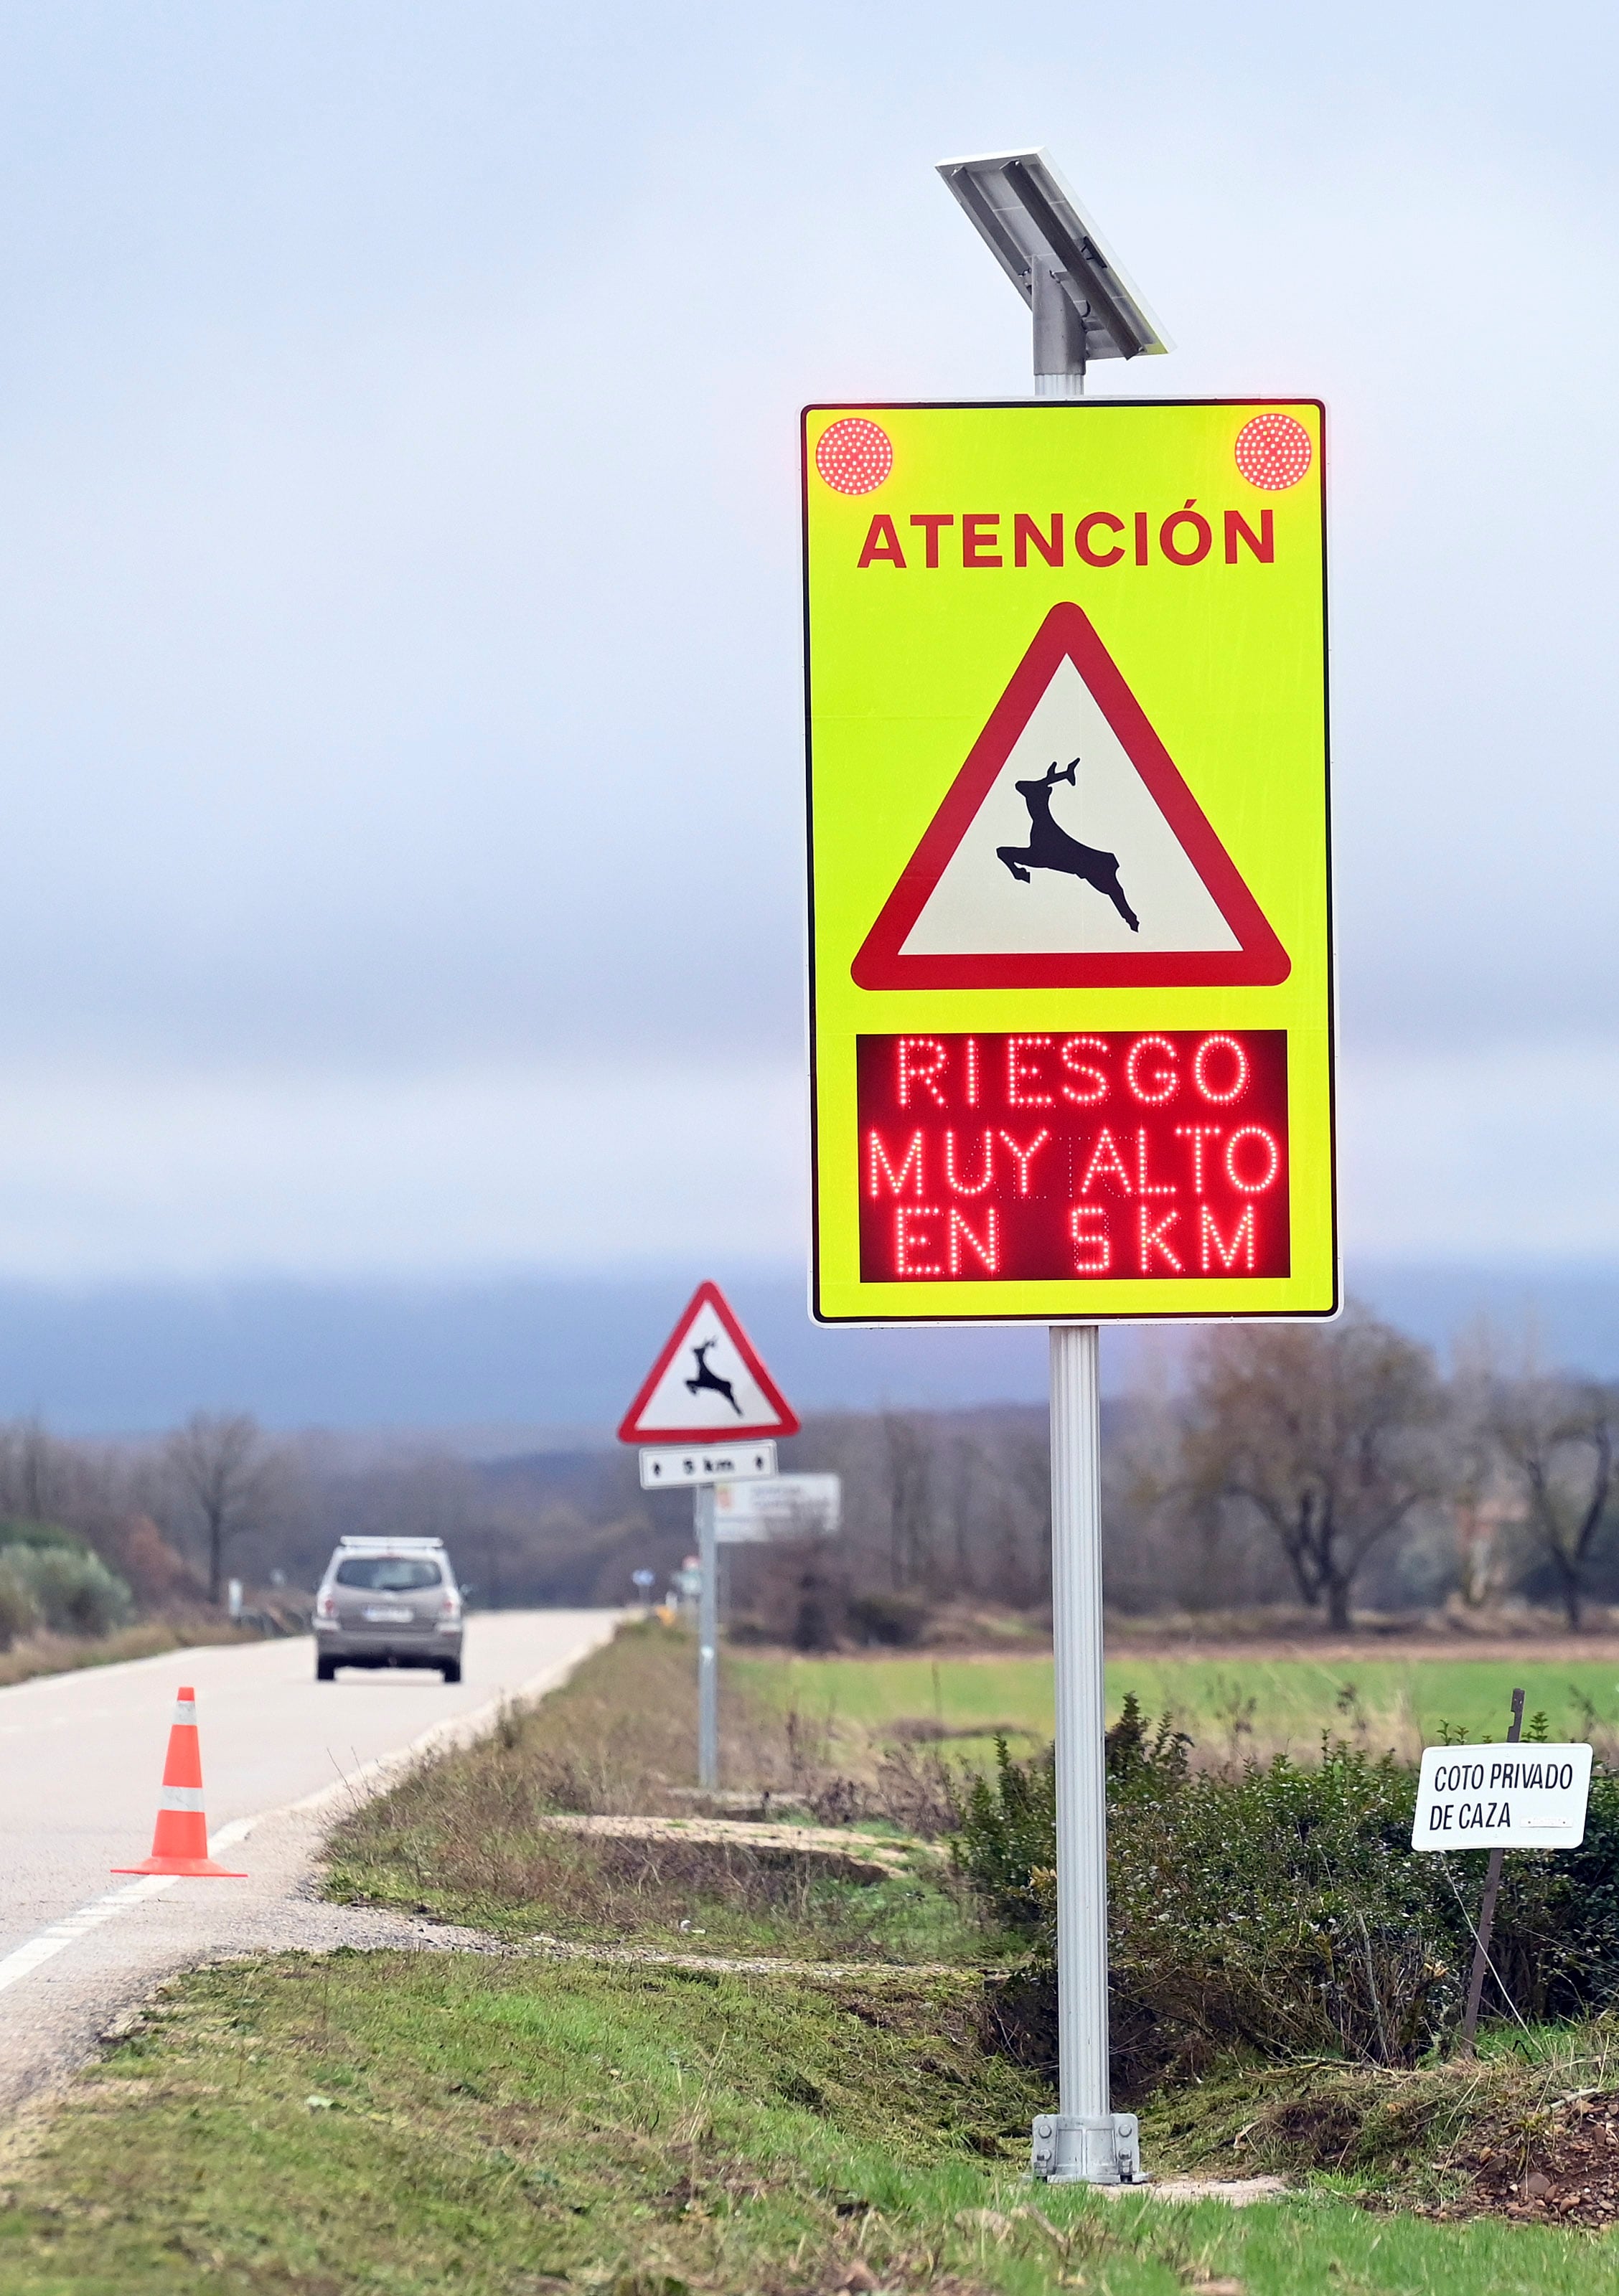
x: 711, y: 1379
x: 1050, y: 846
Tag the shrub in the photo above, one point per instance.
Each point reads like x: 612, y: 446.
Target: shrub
x: 1281, y: 1910
x: 156, y: 1572
x: 896, y: 1622
x: 19, y: 1613
x: 795, y: 1594
x: 73, y: 1591
x: 19, y: 1530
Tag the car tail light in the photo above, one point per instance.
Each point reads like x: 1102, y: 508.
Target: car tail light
x: 326, y: 1607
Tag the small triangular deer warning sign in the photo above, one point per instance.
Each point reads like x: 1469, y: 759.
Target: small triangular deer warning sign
x: 707, y: 1382
x: 1069, y: 852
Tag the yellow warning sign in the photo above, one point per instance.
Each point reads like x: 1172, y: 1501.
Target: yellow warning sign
x: 1071, y: 980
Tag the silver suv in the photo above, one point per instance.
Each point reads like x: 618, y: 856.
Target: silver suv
x: 388, y: 1602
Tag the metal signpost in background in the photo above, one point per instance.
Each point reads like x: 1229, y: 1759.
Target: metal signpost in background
x: 784, y: 1507
x: 706, y: 1413
x: 1070, y: 955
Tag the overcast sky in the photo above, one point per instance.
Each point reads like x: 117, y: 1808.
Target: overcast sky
x: 399, y: 866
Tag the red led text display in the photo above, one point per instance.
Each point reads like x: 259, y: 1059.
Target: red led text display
x: 1054, y: 1157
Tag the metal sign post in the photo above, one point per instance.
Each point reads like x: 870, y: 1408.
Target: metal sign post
x: 1084, y: 2141
x: 1070, y: 948
x: 1486, y: 1912
x: 1054, y: 261
x: 707, y: 1412
x: 708, y: 1639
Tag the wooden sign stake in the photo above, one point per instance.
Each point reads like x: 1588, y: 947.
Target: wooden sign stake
x: 1486, y: 1912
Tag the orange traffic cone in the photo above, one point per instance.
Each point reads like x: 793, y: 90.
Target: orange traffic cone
x: 179, y: 1841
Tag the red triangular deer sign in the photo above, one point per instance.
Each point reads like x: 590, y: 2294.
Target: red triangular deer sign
x: 1069, y: 852
x: 707, y: 1383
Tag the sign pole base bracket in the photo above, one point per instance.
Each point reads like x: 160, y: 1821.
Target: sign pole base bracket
x: 1073, y: 2148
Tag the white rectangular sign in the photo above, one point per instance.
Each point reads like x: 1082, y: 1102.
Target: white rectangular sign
x: 1502, y: 1798
x: 666, y: 1466
x: 783, y: 1506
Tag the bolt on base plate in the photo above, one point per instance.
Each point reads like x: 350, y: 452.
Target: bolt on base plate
x: 1072, y: 2149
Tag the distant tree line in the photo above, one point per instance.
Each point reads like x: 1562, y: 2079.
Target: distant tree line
x: 1332, y: 1467
x: 1338, y: 1452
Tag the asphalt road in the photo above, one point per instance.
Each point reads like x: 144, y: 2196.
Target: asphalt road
x: 80, y: 1759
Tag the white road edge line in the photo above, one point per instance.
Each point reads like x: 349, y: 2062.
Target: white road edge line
x: 457, y: 1728
x: 27, y: 1958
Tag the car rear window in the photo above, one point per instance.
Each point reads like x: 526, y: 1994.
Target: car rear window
x: 387, y: 1574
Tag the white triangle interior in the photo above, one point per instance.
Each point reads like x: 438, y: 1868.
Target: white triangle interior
x: 979, y: 908
x: 671, y: 1404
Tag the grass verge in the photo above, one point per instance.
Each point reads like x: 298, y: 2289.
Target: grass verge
x: 464, y: 1838
x: 408, y: 2124
x: 416, y: 2123
x: 48, y: 1654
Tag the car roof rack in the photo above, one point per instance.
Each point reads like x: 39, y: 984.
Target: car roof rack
x: 390, y: 1545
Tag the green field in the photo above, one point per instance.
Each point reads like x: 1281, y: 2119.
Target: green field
x: 1228, y: 1704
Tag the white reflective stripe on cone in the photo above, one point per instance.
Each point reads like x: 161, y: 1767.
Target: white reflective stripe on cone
x: 180, y: 1798
x: 186, y: 1713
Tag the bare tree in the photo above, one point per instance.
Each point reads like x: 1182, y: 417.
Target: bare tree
x: 1483, y: 1507
x: 1019, y: 1542
x: 226, y: 1471
x: 908, y: 1446
x: 964, y: 1466
x: 1557, y: 1438
x: 1169, y: 1541
x: 1322, y: 1431
x: 45, y: 1480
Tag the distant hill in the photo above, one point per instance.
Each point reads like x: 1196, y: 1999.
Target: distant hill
x: 538, y: 1361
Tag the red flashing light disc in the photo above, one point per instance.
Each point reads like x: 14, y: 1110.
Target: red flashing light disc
x: 854, y: 457
x: 1273, y: 452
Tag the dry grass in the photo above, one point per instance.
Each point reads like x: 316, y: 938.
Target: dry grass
x: 1526, y: 2130
x: 48, y: 1654
x: 465, y: 1837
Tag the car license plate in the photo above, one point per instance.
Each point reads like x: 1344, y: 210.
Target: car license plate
x: 380, y: 1615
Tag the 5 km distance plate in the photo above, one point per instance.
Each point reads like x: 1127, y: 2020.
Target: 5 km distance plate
x: 714, y: 1463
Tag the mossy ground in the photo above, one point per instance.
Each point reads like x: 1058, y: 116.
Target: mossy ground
x: 404, y: 2124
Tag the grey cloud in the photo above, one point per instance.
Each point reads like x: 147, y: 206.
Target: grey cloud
x: 399, y: 620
